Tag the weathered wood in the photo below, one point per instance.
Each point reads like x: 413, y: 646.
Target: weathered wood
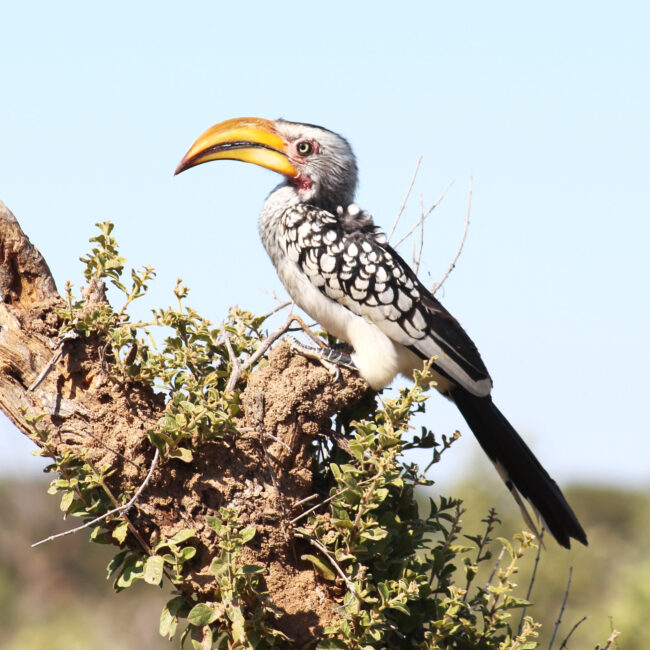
x: 103, y: 422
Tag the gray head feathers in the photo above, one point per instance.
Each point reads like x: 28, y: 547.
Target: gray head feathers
x: 331, y: 170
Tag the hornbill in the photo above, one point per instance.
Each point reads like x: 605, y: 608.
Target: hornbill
x: 340, y: 269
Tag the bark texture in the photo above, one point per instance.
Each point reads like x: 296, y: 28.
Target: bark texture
x: 104, y: 422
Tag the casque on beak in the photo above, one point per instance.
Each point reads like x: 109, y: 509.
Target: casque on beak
x: 249, y: 139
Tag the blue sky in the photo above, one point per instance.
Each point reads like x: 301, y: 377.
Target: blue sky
x: 546, y: 105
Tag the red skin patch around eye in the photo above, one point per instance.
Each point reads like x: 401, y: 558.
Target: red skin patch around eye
x: 303, y: 182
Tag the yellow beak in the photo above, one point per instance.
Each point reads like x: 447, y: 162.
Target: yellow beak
x: 249, y: 139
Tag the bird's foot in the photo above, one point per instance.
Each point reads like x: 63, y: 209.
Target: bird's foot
x: 330, y: 358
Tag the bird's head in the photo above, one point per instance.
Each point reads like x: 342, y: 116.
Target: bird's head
x: 317, y: 162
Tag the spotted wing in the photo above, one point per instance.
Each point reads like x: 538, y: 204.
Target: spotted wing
x: 350, y: 261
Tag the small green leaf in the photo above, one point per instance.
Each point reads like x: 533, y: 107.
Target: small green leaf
x: 507, y: 544
x: 216, y: 524
x: 120, y: 531
x: 247, y: 534
x: 323, y: 569
x: 153, y: 570
x: 511, y: 602
x: 331, y: 644
x: 181, y: 453
x: 374, y: 534
x: 345, y: 524
x: 115, y: 564
x: 202, y: 614
x: 400, y: 607
x: 186, y: 554
x: 249, y: 569
x: 169, y: 617
x: 66, y: 501
x: 381, y: 494
x: 133, y: 570
x: 182, y: 536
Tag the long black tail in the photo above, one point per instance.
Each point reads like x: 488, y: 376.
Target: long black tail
x: 518, y: 467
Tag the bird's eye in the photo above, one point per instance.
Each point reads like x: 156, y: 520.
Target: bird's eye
x: 305, y: 148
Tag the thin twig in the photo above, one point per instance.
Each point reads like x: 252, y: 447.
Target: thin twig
x: 425, y: 215
x: 462, y: 240
x: 129, y: 524
x: 573, y: 629
x: 484, y: 541
x: 450, y: 537
x: 58, y: 353
x: 282, y: 442
x: 239, y: 368
x: 610, y: 641
x: 102, y: 443
x: 276, y: 309
x: 306, y: 329
x: 406, y: 198
x: 559, y: 618
x: 496, y: 566
x: 271, y: 292
x: 311, y: 497
x: 323, y: 549
x: 119, y: 510
x: 323, y: 502
x: 266, y: 433
x: 417, y: 259
x: 532, y: 578
x: 614, y: 633
x: 234, y: 360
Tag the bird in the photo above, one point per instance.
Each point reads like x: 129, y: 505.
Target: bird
x: 340, y: 269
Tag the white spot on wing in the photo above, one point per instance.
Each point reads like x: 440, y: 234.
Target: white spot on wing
x: 418, y: 320
x: 387, y: 296
x: 404, y: 302
x: 381, y: 275
x: 327, y: 263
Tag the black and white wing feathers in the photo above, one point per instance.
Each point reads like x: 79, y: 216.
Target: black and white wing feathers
x: 350, y: 261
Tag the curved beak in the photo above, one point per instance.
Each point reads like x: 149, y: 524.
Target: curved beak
x: 249, y: 139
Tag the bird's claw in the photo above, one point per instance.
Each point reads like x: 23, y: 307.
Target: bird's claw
x: 332, y: 360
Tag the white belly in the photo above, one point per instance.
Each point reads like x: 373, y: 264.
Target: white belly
x: 378, y: 358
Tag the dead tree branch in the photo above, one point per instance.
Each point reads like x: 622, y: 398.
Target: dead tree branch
x: 115, y: 511
x: 406, y: 198
x: 564, y: 602
x: 66, y: 387
x: 452, y: 266
x: 425, y: 215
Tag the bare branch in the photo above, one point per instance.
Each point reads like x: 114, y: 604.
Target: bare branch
x: 311, y: 497
x: 58, y: 353
x: 573, y: 629
x: 280, y: 303
x: 239, y: 368
x: 119, y: 510
x: 234, y: 360
x: 611, y: 641
x: 418, y: 258
x: 268, y: 435
x: 323, y: 502
x: 425, y: 215
x: 496, y: 566
x: 533, y: 576
x: 406, y: 198
x: 564, y: 601
x: 462, y: 241
x: 276, y: 309
x: 74, y: 407
x: 332, y: 560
